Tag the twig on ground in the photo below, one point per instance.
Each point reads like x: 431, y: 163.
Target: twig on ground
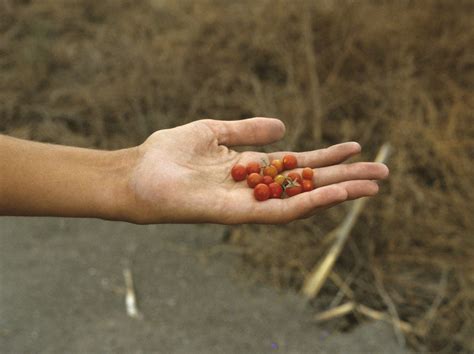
x: 427, y: 320
x: 351, y: 306
x: 348, y: 281
x: 380, y: 316
x: 130, y: 298
x: 341, y: 284
x: 335, y: 312
x: 392, y: 309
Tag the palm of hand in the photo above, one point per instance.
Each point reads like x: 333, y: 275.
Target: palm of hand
x: 183, y: 175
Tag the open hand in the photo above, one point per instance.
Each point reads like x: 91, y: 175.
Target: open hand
x: 183, y: 175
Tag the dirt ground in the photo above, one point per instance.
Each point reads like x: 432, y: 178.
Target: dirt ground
x: 62, y: 291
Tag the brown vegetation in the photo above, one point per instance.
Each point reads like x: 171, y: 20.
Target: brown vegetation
x: 108, y: 73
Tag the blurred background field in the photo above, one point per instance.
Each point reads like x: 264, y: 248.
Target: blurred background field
x: 108, y: 73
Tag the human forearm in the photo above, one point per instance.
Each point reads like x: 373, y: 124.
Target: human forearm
x: 52, y: 180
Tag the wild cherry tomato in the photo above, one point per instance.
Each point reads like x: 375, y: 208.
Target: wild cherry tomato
x: 276, y: 190
x: 307, y: 173
x: 267, y: 180
x: 253, y: 179
x: 270, y: 170
x: 307, y: 185
x: 278, y: 165
x: 280, y: 179
x: 238, y: 172
x: 293, y: 189
x: 261, y: 192
x: 296, y: 177
x: 253, y: 167
x: 289, y: 162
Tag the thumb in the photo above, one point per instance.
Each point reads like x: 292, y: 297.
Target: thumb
x: 252, y: 131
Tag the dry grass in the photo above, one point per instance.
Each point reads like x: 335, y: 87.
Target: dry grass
x: 107, y: 73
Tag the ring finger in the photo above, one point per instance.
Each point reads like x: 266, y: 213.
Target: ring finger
x: 355, y: 171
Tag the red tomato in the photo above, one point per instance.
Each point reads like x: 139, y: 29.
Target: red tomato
x: 289, y: 162
x: 278, y: 165
x: 307, y: 173
x: 270, y: 170
x: 293, y: 190
x: 253, y: 179
x: 296, y: 177
x: 253, y: 167
x: 267, y: 180
x: 276, y: 190
x: 238, y: 173
x: 261, y: 192
x: 307, y: 185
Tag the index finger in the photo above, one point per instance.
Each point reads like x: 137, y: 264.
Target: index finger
x: 252, y: 131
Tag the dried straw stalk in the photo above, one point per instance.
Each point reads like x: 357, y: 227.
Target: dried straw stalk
x: 130, y: 297
x: 317, y: 277
x: 351, y: 306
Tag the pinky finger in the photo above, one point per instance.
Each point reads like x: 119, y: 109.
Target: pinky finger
x: 359, y: 188
x: 305, y: 204
x: 354, y: 190
x: 277, y: 211
x: 325, y: 197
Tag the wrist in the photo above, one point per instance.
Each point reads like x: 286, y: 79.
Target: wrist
x: 120, y: 202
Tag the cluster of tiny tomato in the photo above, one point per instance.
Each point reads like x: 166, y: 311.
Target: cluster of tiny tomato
x: 268, y: 182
